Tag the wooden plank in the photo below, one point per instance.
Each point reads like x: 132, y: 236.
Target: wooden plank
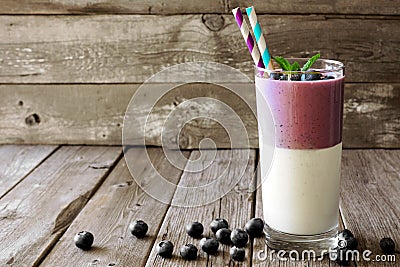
x: 385, y: 7
x: 18, y: 161
x: 37, y: 211
x: 93, y: 114
x: 84, y: 49
x: 264, y: 256
x: 118, y: 201
x: 371, y: 197
x: 112, y: 7
x: 236, y: 206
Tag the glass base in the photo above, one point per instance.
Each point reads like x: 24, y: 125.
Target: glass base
x: 318, y: 245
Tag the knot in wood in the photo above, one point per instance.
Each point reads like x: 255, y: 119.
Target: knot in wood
x: 213, y: 22
x: 32, y: 119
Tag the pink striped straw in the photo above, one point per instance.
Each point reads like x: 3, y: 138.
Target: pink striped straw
x: 244, y: 29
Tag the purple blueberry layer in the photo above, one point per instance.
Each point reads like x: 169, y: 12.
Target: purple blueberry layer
x: 307, y: 114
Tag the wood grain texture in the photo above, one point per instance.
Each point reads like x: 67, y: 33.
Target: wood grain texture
x: 84, y: 49
x: 36, y: 212
x: 264, y: 256
x: 93, y: 114
x: 112, y: 7
x: 370, y: 198
x: 18, y: 161
x: 118, y: 202
x: 236, y: 207
x: 386, y: 7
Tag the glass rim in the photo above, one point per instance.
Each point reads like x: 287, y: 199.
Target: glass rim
x: 339, y: 66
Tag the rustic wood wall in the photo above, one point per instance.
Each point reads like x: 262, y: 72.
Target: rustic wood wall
x: 69, y: 67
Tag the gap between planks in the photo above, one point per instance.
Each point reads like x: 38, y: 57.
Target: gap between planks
x: 48, y: 199
x: 18, y: 161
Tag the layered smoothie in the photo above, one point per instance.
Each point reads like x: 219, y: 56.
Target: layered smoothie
x: 301, y: 188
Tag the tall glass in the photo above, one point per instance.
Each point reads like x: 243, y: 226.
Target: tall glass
x: 300, y: 189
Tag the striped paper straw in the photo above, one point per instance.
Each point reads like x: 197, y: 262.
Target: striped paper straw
x: 244, y: 29
x: 262, y: 45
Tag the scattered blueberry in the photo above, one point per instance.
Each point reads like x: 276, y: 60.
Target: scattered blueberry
x: 254, y: 227
x: 223, y: 235
x: 84, y: 240
x: 209, y: 245
x: 237, y: 254
x: 351, y: 243
x: 387, y: 245
x: 165, y: 249
x: 138, y: 228
x: 239, y: 238
x: 194, y: 229
x: 218, y: 224
x: 346, y: 233
x: 188, y: 252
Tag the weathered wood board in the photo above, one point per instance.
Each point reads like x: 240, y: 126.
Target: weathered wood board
x: 18, y: 161
x: 118, y: 202
x: 36, y: 212
x: 370, y: 199
x: 93, y: 114
x: 131, y: 48
x: 385, y: 7
x: 236, y: 206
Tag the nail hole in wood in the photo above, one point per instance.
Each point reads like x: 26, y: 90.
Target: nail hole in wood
x: 32, y: 119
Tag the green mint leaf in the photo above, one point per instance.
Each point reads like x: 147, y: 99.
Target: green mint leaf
x: 310, y: 62
x: 285, y: 65
x: 295, y: 66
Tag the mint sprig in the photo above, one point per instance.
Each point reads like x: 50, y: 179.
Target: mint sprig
x: 310, y: 62
x: 285, y: 65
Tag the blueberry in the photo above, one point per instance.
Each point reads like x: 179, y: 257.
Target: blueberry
x: 237, y: 254
x: 346, y: 233
x: 188, y: 252
x: 254, y: 227
x: 311, y: 75
x: 387, y: 245
x: 329, y: 78
x: 138, y: 228
x: 84, y: 240
x: 218, y: 224
x: 239, y: 238
x: 295, y: 77
x: 351, y: 243
x: 275, y: 76
x: 223, y: 235
x: 209, y: 245
x: 194, y: 229
x: 283, y: 77
x: 165, y: 249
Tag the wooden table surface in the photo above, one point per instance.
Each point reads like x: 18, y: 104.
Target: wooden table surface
x: 49, y: 193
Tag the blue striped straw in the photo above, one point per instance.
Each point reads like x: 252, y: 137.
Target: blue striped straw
x: 262, y: 45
